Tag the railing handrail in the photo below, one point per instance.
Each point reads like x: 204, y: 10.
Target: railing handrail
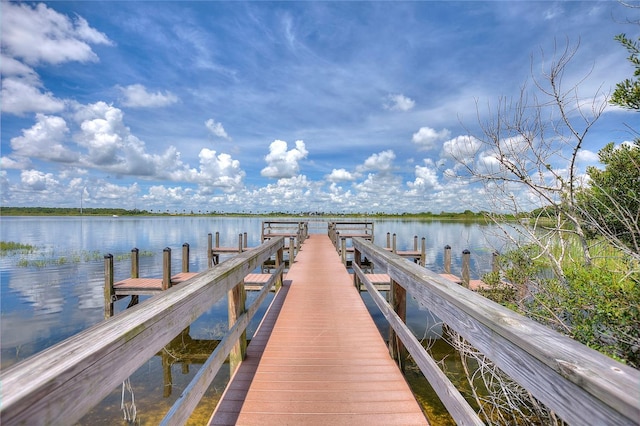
x: 578, y: 383
x: 62, y: 383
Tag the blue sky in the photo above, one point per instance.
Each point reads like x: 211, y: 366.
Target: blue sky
x: 279, y: 106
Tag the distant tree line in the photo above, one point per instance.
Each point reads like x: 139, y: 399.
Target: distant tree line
x: 69, y: 211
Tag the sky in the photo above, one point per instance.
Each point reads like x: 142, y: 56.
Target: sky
x: 311, y: 106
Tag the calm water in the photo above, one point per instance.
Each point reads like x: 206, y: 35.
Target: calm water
x: 57, y: 290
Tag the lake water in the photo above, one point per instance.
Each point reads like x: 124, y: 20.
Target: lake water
x: 56, y: 290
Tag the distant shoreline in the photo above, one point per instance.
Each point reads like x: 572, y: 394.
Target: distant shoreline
x: 64, y: 211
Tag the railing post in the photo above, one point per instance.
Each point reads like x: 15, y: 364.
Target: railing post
x: 166, y: 268
x: 292, y: 251
x: 279, y: 261
x: 447, y: 259
x: 398, y: 302
x: 108, y: 286
x: 343, y: 250
x: 210, y: 250
x: 466, y: 260
x: 135, y: 262
x: 358, y: 261
x: 236, y: 303
x: 185, y: 257
x: 423, y: 252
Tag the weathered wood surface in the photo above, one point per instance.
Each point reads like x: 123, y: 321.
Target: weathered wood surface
x: 455, y: 403
x: 581, y: 385
x: 60, y: 384
x: 191, y: 396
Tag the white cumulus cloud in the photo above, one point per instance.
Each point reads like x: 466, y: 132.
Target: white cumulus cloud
x: 461, y: 148
x: 137, y: 96
x: 38, y: 34
x: 36, y: 180
x: 284, y: 163
x: 340, y: 175
x: 45, y: 140
x: 426, y: 137
x: 399, y: 102
x: 426, y: 177
x: 380, y: 162
x: 216, y: 129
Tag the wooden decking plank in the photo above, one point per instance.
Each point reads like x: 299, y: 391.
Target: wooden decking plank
x: 325, y: 361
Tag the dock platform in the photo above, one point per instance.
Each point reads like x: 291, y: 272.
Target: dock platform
x: 317, y: 357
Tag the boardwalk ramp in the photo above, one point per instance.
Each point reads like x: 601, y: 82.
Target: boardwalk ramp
x: 317, y: 357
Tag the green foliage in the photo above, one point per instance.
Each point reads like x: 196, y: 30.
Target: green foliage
x: 612, y: 202
x: 600, y: 310
x: 627, y: 93
x: 597, y: 305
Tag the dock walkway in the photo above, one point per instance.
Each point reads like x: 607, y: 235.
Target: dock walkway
x: 317, y: 357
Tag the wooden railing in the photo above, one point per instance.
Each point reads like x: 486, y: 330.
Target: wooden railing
x: 348, y: 230
x: 273, y: 229
x: 579, y: 384
x: 61, y: 384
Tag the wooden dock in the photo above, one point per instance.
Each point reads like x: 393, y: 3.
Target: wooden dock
x: 318, y: 357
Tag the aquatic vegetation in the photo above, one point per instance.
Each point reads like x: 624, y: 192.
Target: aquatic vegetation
x: 84, y: 256
x: 9, y: 247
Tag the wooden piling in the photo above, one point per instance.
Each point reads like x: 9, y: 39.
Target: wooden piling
x: 423, y: 252
x: 466, y: 260
x: 209, y: 250
x: 166, y: 268
x: 394, y: 247
x: 343, y: 250
x: 135, y: 263
x: 185, y: 257
x: 447, y: 259
x: 108, y: 286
